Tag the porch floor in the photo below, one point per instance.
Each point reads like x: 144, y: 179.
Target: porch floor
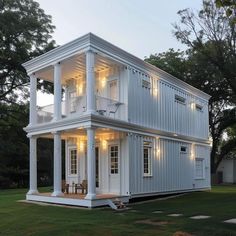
x: 81, y: 196
x: 76, y: 199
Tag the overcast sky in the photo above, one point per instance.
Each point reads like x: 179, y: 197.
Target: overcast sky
x: 139, y: 27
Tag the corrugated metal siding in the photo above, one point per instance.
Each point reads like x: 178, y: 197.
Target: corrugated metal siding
x: 161, y: 111
x: 171, y: 169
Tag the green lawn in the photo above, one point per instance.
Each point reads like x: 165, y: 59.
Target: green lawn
x: 27, y: 219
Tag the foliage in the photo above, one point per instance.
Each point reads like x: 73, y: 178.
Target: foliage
x: 211, y: 33
x: 14, y: 150
x: 210, y: 36
x: 14, y: 146
x: 29, y: 219
x: 25, y: 32
x: 229, y: 7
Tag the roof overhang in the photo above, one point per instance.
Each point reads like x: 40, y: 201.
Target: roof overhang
x: 106, y: 49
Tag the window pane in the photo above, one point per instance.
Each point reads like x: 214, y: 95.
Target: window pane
x: 114, y: 160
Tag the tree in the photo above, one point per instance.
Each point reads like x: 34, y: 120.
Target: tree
x: 194, y: 68
x: 14, y: 145
x: 230, y: 8
x: 211, y: 33
x: 25, y: 32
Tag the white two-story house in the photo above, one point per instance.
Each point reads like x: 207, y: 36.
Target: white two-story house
x: 130, y: 129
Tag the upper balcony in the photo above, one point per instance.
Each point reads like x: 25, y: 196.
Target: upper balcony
x: 77, y: 106
x: 82, y: 84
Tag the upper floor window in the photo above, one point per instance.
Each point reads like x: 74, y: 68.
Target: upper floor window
x: 113, y: 91
x: 180, y: 99
x: 147, y: 153
x: 72, y: 96
x: 199, y: 107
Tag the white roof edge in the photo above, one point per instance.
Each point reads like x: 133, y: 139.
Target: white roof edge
x: 91, y: 40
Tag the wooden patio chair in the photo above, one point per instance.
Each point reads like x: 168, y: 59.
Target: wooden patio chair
x: 64, y: 187
x: 83, y: 186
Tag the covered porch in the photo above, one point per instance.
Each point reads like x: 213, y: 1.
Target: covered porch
x: 92, y: 155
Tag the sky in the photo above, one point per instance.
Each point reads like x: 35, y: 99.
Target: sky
x: 139, y: 27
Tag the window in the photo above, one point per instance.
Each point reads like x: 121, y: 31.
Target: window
x: 114, y: 160
x: 198, y: 107
x: 180, y: 99
x: 183, y: 149
x: 113, y: 91
x: 147, y: 151
x: 73, y: 161
x: 199, y: 168
x: 72, y: 101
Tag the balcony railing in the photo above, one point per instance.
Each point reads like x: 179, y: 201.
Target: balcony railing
x: 45, y: 114
x: 77, y: 106
x: 107, y: 107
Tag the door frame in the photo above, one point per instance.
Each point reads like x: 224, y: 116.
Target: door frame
x: 99, y: 167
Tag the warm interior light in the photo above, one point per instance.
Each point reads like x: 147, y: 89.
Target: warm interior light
x: 104, y: 144
x: 192, y: 105
x: 80, y: 89
x: 155, y: 92
x: 103, y: 82
x: 81, y: 146
x: 192, y: 156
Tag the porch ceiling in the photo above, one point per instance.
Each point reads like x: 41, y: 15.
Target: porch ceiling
x: 75, y: 67
x: 81, y: 132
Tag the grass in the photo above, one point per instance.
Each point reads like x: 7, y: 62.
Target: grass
x: 27, y: 219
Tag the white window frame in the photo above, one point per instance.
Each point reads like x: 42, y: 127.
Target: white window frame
x: 72, y: 105
x: 147, y: 145
x: 70, y: 161
x: 203, y: 168
x: 118, y: 159
x: 199, y: 107
x: 112, y: 80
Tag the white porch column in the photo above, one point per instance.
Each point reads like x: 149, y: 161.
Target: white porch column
x: 57, y: 172
x: 91, y: 164
x: 33, y: 165
x: 33, y: 100
x: 90, y: 82
x: 57, y: 91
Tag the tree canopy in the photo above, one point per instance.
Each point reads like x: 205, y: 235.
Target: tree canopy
x: 210, y: 32
x: 25, y: 32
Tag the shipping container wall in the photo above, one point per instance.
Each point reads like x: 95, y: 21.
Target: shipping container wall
x: 155, y: 103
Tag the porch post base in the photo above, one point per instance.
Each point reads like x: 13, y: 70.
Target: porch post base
x: 57, y: 194
x: 31, y: 192
x: 90, y: 196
